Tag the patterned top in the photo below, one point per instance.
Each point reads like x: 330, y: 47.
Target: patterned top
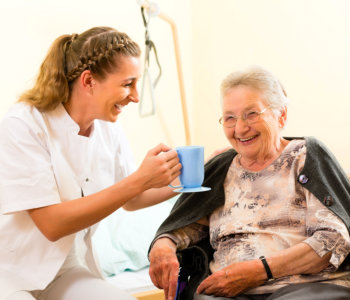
x: 268, y: 211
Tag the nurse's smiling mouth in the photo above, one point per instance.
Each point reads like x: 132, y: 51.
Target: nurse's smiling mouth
x: 119, y: 107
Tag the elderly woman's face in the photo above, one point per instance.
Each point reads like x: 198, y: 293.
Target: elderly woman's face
x: 257, y: 139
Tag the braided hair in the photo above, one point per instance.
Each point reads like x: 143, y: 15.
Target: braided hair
x: 95, y: 49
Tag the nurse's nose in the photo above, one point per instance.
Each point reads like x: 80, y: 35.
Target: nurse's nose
x: 134, y: 96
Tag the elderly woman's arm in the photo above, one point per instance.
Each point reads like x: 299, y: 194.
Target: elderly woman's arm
x: 327, y: 245
x: 299, y: 259
x: 164, y: 265
x: 239, y: 277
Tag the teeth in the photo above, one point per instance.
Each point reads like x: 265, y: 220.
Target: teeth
x: 247, y: 139
x: 119, y: 106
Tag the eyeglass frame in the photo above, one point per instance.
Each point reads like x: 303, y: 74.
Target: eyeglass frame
x: 243, y: 117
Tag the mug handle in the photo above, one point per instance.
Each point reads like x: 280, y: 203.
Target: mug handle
x: 175, y: 186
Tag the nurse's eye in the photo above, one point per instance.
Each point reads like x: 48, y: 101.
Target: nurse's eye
x: 131, y: 83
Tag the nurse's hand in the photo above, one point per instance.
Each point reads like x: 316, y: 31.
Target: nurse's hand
x: 160, y: 167
x: 164, y: 266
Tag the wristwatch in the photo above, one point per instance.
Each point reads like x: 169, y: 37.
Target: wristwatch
x: 267, y: 268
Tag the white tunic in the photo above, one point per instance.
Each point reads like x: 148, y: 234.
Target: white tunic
x: 43, y: 162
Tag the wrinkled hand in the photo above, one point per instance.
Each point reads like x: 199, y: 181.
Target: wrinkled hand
x: 233, y: 280
x: 164, y: 267
x: 160, y: 167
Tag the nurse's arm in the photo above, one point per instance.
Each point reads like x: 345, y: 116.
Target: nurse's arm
x: 149, y: 198
x: 59, y: 220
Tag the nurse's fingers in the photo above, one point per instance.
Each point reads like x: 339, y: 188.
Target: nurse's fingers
x: 158, y: 149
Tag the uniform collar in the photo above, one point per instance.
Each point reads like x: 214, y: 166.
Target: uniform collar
x: 64, y: 122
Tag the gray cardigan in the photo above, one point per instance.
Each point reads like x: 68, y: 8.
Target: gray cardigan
x: 321, y: 175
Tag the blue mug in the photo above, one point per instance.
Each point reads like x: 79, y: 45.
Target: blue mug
x: 192, y: 172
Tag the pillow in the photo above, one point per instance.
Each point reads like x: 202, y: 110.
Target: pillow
x: 121, y: 240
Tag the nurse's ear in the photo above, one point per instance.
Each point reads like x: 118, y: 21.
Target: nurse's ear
x: 87, y: 81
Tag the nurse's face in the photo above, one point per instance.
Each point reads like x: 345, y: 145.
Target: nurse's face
x: 117, y: 89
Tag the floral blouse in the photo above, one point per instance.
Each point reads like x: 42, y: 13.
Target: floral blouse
x: 268, y: 211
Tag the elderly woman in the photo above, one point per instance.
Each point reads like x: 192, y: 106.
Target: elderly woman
x: 274, y: 226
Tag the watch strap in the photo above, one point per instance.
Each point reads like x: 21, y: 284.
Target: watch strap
x: 267, y: 268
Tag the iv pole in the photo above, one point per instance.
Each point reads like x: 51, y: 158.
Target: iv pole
x: 152, y: 8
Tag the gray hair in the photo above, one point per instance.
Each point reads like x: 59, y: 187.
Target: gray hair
x: 263, y: 81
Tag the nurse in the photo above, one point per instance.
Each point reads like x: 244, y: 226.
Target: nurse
x: 66, y: 165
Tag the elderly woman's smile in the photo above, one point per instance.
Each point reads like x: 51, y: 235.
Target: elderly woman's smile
x: 247, y: 140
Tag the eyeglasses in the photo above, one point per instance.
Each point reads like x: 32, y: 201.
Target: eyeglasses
x: 250, y: 117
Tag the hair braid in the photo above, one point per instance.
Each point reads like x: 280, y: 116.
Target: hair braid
x: 102, y: 54
x: 96, y: 49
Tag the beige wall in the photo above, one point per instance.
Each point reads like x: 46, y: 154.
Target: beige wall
x: 304, y: 42
x: 30, y: 26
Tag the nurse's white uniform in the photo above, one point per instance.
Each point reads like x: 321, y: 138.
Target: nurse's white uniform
x: 43, y: 161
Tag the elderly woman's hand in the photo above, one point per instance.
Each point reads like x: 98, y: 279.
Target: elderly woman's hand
x: 164, y: 266
x: 234, y: 279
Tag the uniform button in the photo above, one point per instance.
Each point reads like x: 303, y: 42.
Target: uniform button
x: 86, y: 179
x: 303, y: 179
x: 328, y: 200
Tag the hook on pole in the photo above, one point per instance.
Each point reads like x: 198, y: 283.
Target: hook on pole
x: 153, y: 10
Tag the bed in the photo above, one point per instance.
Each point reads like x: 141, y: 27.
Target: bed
x: 138, y: 284
x: 121, y: 243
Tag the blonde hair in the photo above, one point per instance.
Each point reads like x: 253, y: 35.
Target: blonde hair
x: 262, y: 80
x: 95, y: 49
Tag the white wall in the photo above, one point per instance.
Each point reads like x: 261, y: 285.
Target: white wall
x: 30, y: 26
x: 304, y: 42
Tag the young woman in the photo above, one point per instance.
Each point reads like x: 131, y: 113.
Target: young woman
x: 66, y: 165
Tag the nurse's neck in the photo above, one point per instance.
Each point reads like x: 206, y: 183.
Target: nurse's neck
x: 86, y: 132
x: 80, y: 116
x: 80, y: 105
